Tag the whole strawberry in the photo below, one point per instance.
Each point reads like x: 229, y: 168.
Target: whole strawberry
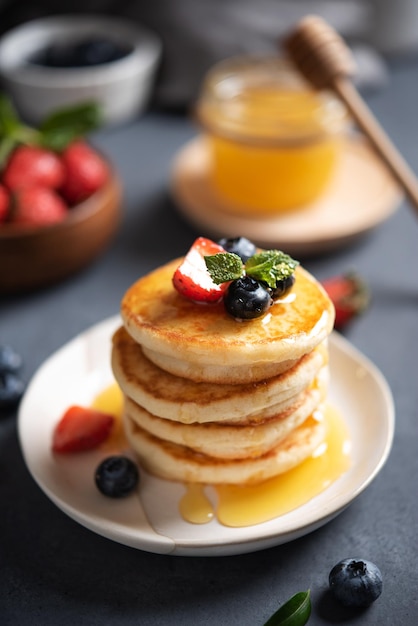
x: 30, y: 166
x: 4, y: 204
x: 37, y: 206
x: 350, y: 296
x: 85, y: 172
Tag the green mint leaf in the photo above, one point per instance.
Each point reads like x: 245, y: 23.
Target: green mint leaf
x: 65, y: 125
x: 295, y: 612
x: 9, y: 121
x: 270, y: 266
x: 12, y: 130
x: 224, y: 266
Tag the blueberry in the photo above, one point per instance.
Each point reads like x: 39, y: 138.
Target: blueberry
x: 241, y: 246
x: 83, y: 53
x: 355, y: 582
x: 99, y: 51
x: 282, y: 286
x: 116, y: 476
x: 54, y: 55
x: 11, y: 390
x: 246, y: 298
x: 10, y: 360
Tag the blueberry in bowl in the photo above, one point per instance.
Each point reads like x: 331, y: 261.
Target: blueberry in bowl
x: 58, y: 61
x: 86, y: 52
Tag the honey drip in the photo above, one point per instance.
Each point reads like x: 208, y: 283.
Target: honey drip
x: 194, y: 506
x: 110, y: 400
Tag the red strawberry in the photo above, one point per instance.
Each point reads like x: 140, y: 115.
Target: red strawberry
x: 192, y: 279
x: 4, y: 204
x: 81, y: 429
x: 349, y: 295
x: 30, y: 165
x: 38, y: 206
x: 85, y: 172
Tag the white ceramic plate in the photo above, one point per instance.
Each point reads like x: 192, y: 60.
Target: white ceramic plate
x: 341, y: 215
x: 151, y: 522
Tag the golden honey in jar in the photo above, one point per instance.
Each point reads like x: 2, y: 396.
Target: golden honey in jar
x: 273, y: 140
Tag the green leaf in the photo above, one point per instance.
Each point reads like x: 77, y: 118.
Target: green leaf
x: 12, y: 130
x: 64, y: 125
x: 224, y: 266
x: 7, y: 145
x: 295, y: 612
x: 270, y: 266
x: 9, y: 121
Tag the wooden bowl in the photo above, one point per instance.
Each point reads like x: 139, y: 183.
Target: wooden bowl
x: 34, y: 257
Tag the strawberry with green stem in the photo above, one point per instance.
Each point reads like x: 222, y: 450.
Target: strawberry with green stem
x: 34, y: 163
x: 54, y: 133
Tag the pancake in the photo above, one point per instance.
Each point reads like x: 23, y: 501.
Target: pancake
x: 164, y: 322
x: 211, y: 399
x: 179, y: 463
x: 180, y: 399
x: 233, y: 374
x: 227, y: 441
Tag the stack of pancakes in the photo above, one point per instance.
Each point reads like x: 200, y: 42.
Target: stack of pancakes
x: 210, y: 399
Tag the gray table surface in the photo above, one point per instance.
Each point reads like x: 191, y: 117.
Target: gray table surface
x: 54, y: 571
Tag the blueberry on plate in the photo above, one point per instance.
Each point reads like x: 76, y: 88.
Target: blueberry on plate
x: 355, y: 582
x: 11, y: 390
x: 116, y: 476
x: 241, y: 246
x: 246, y: 299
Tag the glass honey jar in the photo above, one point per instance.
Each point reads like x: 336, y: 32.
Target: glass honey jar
x: 273, y: 140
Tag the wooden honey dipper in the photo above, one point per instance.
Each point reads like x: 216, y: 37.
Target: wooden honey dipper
x: 325, y: 61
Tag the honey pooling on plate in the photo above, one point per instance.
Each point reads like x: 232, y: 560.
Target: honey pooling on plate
x: 239, y: 506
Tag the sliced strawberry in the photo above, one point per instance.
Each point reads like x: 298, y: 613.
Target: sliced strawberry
x: 80, y: 429
x: 350, y: 297
x: 192, y: 279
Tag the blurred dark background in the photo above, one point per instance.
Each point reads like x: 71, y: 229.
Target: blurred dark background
x: 197, y: 33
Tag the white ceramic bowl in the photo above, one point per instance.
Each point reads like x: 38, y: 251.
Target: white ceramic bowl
x: 121, y: 87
